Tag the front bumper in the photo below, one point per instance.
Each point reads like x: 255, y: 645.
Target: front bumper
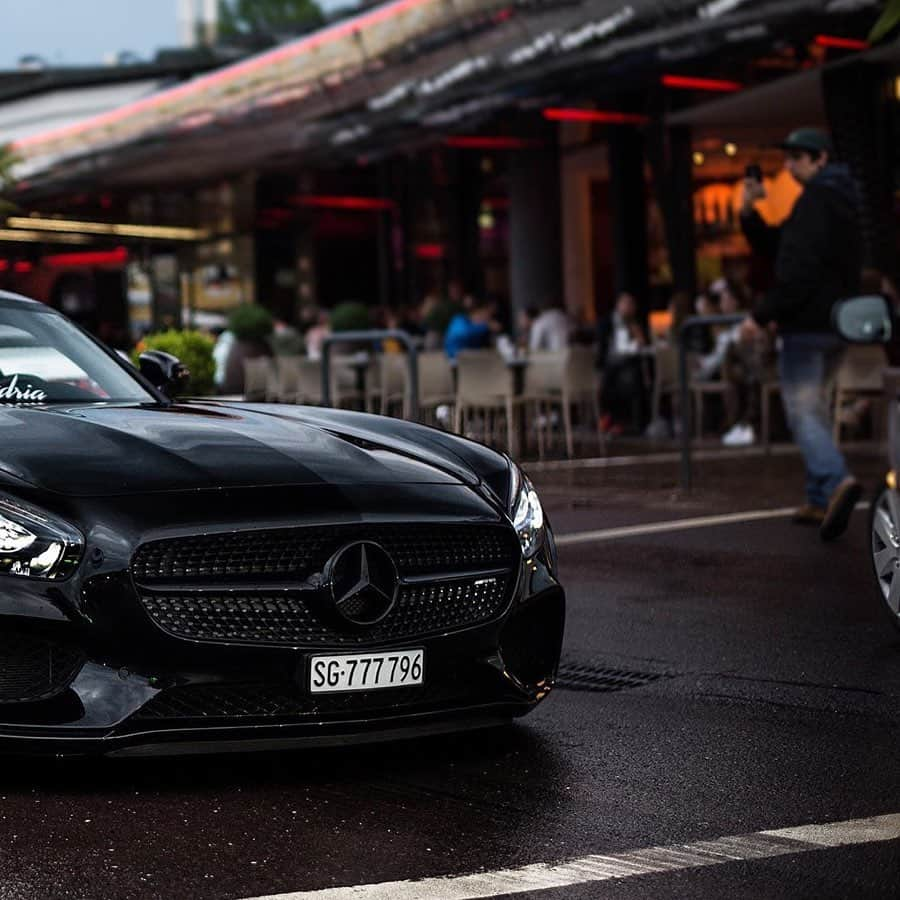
x: 129, y: 685
x: 241, y: 699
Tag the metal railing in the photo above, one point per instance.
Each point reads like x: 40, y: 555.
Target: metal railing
x: 374, y: 337
x: 687, y: 327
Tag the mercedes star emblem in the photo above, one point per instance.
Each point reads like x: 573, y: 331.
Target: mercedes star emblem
x: 364, y: 582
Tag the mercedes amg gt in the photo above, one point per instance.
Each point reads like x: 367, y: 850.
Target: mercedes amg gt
x: 199, y: 575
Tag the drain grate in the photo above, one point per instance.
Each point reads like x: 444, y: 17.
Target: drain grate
x: 602, y: 679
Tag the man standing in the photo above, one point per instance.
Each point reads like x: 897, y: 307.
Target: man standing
x: 818, y: 260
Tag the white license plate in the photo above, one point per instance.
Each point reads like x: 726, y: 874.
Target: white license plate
x: 366, y: 671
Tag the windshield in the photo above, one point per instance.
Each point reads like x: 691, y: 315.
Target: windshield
x: 44, y: 359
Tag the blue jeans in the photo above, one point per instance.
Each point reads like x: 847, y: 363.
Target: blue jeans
x: 806, y: 365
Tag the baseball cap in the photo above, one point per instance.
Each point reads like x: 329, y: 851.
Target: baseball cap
x: 813, y: 140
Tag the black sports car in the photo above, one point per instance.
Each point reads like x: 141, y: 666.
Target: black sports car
x: 190, y: 576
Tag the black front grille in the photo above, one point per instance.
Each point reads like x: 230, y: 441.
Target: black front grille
x: 33, y: 668
x: 293, y: 554
x: 267, y: 587
x: 291, y: 618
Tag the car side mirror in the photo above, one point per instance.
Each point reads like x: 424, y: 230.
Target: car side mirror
x: 165, y: 372
x: 863, y: 320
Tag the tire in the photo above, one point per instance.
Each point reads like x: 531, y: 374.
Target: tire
x: 884, y: 545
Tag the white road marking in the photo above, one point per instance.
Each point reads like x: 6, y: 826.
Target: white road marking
x: 612, y: 534
x: 628, y: 864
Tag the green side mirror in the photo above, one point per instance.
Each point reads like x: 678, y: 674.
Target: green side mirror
x: 863, y: 320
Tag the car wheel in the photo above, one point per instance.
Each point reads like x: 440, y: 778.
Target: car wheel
x: 884, y: 527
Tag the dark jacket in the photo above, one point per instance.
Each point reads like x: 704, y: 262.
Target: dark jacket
x: 818, y: 253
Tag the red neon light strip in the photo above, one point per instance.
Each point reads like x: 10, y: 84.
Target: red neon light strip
x: 23, y: 266
x: 688, y: 83
x: 486, y: 142
x: 303, y: 45
x: 4, y: 265
x: 89, y: 258
x: 608, y: 117
x: 840, y: 43
x: 430, y: 251
x: 365, y: 204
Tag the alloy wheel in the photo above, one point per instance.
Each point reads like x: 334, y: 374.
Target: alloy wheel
x: 885, y: 529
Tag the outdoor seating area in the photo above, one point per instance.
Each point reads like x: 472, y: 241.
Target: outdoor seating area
x: 546, y: 403
x: 540, y: 403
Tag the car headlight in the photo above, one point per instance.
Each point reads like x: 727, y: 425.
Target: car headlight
x: 527, y: 513
x: 34, y: 544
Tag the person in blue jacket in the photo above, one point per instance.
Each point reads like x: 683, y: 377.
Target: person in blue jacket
x: 470, y: 330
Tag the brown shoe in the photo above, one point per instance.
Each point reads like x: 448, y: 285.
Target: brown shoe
x: 840, y: 507
x: 808, y: 515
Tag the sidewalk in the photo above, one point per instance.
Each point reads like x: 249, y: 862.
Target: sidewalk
x: 643, y: 487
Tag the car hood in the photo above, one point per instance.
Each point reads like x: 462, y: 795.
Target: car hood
x: 114, y: 450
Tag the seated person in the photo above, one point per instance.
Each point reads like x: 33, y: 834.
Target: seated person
x: 744, y: 365
x: 708, y: 365
x: 624, y: 395
x: 550, y: 328
x: 471, y: 330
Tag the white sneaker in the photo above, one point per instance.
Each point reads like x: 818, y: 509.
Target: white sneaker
x: 739, y: 436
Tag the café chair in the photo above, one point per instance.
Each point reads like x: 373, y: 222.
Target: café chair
x: 485, y: 387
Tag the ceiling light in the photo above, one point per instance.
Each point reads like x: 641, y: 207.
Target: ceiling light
x: 159, y: 232
x: 731, y: 149
x: 607, y: 117
x: 116, y: 256
x: 32, y: 237
x: 489, y: 142
x: 831, y: 41
x: 329, y: 201
x: 690, y: 83
x: 430, y: 251
x: 699, y: 158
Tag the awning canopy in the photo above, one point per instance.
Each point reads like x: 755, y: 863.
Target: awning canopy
x: 397, y: 76
x: 65, y: 107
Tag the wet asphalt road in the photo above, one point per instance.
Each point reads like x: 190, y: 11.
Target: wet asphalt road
x: 777, y: 704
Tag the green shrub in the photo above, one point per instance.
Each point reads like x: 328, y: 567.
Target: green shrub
x: 250, y: 322
x: 193, y: 348
x: 350, y: 316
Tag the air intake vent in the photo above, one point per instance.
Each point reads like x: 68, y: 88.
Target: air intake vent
x: 33, y: 668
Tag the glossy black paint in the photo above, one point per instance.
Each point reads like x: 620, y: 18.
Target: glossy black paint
x: 125, y: 474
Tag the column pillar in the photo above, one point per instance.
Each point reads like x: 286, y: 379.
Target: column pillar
x: 535, y: 239
x: 628, y: 205
x: 671, y: 155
